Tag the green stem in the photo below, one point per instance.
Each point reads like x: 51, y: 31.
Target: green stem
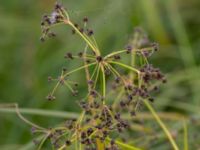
x: 125, y: 146
x: 100, y: 144
x: 115, y: 53
x: 95, y: 42
x: 84, y: 38
x: 62, y: 147
x: 125, y: 66
x: 54, y: 89
x: 42, y: 142
x: 41, y: 112
x: 17, y: 111
x: 185, y: 135
x: 103, y: 83
x: 94, y: 72
x: 68, y: 73
x: 122, y: 51
x: 70, y: 88
x: 97, y: 76
x: 85, y: 57
x: 159, y: 121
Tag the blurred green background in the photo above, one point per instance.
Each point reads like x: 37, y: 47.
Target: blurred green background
x: 25, y: 62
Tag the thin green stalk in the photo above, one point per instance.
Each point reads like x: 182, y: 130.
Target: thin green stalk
x: 42, y: 142
x: 123, y: 51
x: 115, y: 72
x: 80, y: 146
x: 70, y: 88
x: 54, y: 89
x: 17, y: 111
x: 31, y: 145
x: 76, y: 144
x: 41, y: 112
x: 125, y: 66
x: 62, y: 147
x: 118, y: 97
x: 159, y: 121
x: 103, y: 82
x: 87, y: 72
x: 95, y: 42
x: 185, y: 135
x: 125, y: 146
x: 94, y: 72
x: 65, y: 13
x: 92, y: 42
x: 115, y: 53
x: 84, y: 57
x: 100, y: 144
x: 68, y: 73
x: 85, y: 39
x: 132, y: 64
x: 97, y: 76
x: 63, y: 114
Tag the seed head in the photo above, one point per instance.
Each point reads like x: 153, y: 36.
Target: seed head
x: 90, y: 32
x: 69, y: 55
x: 85, y: 19
x: 49, y: 79
x: 99, y: 58
x: 68, y: 142
x: 50, y: 97
x: 129, y: 49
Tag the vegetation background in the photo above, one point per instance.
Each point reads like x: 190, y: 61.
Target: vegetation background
x: 25, y: 62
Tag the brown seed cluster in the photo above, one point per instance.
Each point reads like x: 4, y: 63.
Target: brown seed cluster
x: 55, y: 17
x: 149, y: 73
x: 102, y: 120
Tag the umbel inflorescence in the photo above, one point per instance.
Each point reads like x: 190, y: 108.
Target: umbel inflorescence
x: 114, y: 87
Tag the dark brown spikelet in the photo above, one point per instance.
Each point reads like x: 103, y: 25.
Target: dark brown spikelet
x: 57, y: 6
x: 50, y: 97
x: 42, y: 39
x: 117, y: 57
x: 80, y: 54
x: 68, y: 142
x: 129, y: 49
x: 99, y: 58
x: 69, y: 55
x: 90, y: 32
x: 85, y: 19
x: 49, y: 78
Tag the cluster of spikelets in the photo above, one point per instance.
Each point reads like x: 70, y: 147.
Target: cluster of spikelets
x: 114, y: 87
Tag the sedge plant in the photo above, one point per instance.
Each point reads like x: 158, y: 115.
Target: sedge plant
x: 118, y: 83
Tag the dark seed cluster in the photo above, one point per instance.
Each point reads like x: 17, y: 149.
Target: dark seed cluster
x: 50, y: 97
x: 149, y: 73
x: 69, y: 55
x: 103, y: 120
x: 55, y: 17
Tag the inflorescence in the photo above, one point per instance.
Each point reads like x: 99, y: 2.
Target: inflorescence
x: 102, y: 115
